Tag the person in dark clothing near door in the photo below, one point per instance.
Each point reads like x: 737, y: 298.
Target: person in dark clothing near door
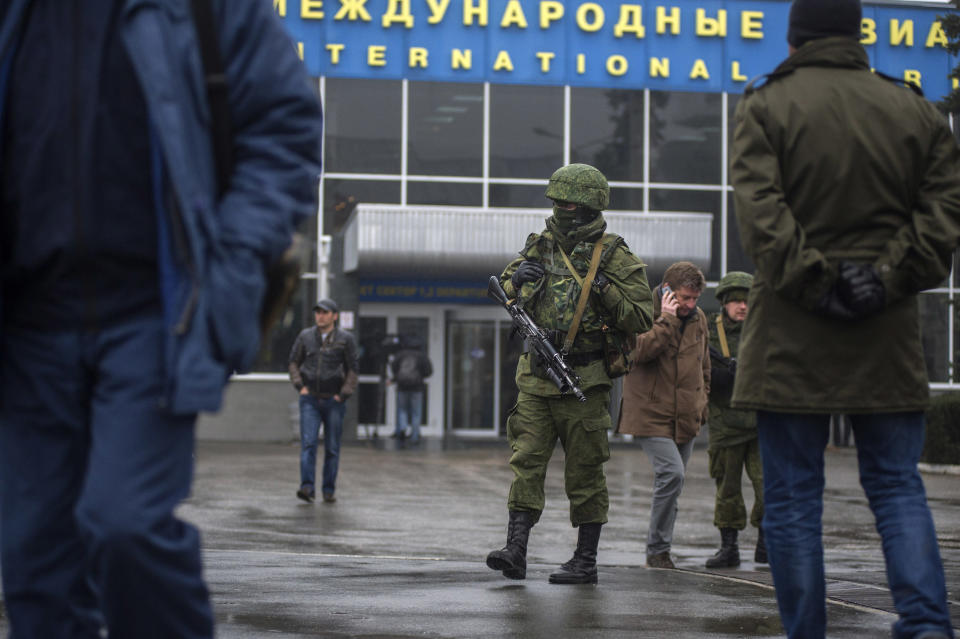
x: 410, y: 366
x: 323, y: 369
x: 130, y: 289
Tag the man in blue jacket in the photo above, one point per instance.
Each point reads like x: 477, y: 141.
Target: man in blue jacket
x: 129, y: 290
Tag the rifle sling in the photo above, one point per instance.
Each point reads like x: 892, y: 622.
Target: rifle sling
x: 584, y: 290
x: 724, y: 348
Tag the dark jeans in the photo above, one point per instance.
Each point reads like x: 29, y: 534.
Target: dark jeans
x: 91, y: 469
x: 313, y: 413
x: 888, y: 449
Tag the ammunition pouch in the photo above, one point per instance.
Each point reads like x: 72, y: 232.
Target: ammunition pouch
x: 616, y: 353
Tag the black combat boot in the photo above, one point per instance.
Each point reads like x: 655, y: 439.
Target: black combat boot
x: 582, y: 567
x: 760, y: 554
x: 729, y: 554
x: 512, y: 558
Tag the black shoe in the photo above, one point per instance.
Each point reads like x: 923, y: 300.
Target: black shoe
x: 329, y: 498
x: 512, y: 558
x: 729, y: 554
x: 582, y: 567
x: 760, y: 554
x: 306, y: 494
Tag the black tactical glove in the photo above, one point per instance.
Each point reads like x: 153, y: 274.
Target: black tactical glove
x: 600, y: 282
x: 857, y: 293
x: 527, y: 272
x: 861, y: 288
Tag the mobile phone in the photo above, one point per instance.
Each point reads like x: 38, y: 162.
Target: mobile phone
x: 667, y: 289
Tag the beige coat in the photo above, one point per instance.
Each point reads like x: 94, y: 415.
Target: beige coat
x: 665, y: 393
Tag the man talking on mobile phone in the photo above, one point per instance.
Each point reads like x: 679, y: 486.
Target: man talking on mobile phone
x: 665, y: 396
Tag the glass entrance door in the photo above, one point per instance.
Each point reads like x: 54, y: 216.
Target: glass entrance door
x: 480, y: 372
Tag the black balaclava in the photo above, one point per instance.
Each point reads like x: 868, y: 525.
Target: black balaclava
x: 813, y: 19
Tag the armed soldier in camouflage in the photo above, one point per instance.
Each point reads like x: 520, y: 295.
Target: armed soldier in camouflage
x: 556, y: 264
x: 733, y: 433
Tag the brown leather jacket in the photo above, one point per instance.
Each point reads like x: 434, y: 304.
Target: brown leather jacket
x: 665, y: 393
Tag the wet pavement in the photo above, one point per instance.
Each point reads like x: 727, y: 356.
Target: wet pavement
x: 401, y: 552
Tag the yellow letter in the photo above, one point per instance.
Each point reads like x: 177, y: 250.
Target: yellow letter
x: 712, y: 27
x: 437, y: 10
x: 900, y: 33
x: 550, y: 11
x: 631, y: 21
x: 616, y: 65
x: 581, y: 63
x: 582, y: 21
x: 936, y: 36
x: 280, y: 6
x: 353, y: 9
x: 503, y: 62
x: 955, y: 84
x: 461, y: 59
x: 311, y: 9
x: 513, y: 14
x: 659, y: 67
x: 673, y: 20
x: 335, y: 50
x: 545, y: 58
x: 398, y: 11
x: 481, y: 12
x: 912, y: 75
x: 300, y: 51
x: 418, y: 57
x: 377, y: 56
x: 868, y: 31
x: 751, y: 25
x: 699, y: 70
x: 735, y: 74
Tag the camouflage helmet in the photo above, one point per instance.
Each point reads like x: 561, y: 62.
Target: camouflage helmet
x: 581, y: 184
x: 732, y: 281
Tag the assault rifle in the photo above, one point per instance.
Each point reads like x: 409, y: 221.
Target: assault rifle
x: 559, y: 372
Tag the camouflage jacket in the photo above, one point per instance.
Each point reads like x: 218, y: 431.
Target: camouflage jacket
x: 728, y: 426
x: 626, y: 305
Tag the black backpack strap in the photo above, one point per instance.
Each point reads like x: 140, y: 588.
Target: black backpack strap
x: 221, y: 128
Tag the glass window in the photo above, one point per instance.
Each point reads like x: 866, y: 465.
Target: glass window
x: 685, y: 137
x: 606, y: 131
x: 526, y: 131
x: 445, y: 129
x: 275, y: 349
x: 694, y: 202
x: 626, y: 199
x: 520, y: 195
x: 471, y: 373
x: 337, y: 205
x: 934, y: 318
x: 445, y: 193
x: 362, y: 125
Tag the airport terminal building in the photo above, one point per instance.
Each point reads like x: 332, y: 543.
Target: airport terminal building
x: 443, y: 121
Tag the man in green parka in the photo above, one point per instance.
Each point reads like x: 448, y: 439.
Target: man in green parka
x: 847, y: 193
x: 733, y: 432
x: 547, y: 280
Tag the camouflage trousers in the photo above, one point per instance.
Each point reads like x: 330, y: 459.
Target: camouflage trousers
x: 533, y: 427
x: 726, y: 468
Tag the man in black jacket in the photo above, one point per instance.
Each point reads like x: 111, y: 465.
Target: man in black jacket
x: 323, y: 368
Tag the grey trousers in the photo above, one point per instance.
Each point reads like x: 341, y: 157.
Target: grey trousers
x: 669, y: 461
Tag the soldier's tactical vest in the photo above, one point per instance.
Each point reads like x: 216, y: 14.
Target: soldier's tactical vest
x: 552, y: 300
